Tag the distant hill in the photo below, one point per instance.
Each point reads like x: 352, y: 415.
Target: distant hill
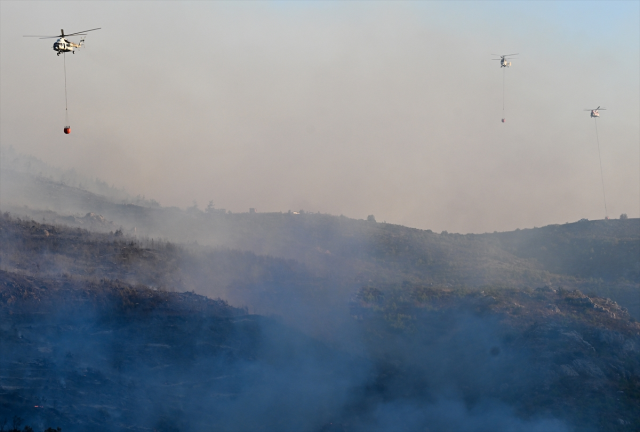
x: 606, y: 249
x: 594, y: 256
x: 12, y: 162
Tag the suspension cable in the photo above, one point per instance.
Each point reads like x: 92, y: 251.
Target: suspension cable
x: 503, y: 75
x: 606, y: 213
x: 66, y: 105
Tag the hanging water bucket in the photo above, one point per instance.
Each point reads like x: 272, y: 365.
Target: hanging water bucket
x: 502, y: 122
x: 67, y: 130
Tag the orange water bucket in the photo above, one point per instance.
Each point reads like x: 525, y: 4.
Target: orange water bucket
x: 67, y: 130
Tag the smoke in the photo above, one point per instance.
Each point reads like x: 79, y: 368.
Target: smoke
x: 356, y: 109
x: 450, y: 414
x: 341, y: 108
x: 104, y: 367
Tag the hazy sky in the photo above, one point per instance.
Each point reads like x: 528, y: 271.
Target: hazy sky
x: 355, y: 108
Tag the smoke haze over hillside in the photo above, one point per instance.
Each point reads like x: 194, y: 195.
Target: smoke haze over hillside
x: 356, y: 109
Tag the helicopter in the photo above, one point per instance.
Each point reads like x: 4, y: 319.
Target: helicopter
x: 595, y: 113
x: 62, y: 45
x: 503, y: 59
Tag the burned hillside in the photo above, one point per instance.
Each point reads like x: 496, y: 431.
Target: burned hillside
x: 105, y: 355
x: 335, y: 257
x: 110, y: 356
x: 561, y: 352
x: 370, y: 327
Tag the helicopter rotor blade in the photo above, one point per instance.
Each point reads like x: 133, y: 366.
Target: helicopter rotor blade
x: 506, y: 55
x: 83, y: 31
x: 62, y: 35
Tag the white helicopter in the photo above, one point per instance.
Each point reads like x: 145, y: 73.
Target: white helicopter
x: 62, y: 45
x: 503, y: 59
x: 595, y: 113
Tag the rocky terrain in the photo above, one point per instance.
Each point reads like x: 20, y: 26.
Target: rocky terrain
x: 555, y: 350
x: 105, y: 355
